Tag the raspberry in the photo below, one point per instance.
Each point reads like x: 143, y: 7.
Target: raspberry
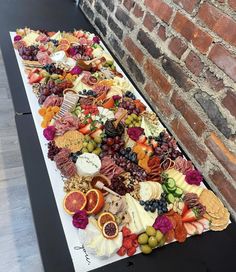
x: 131, y: 251
x: 135, y: 243
x: 133, y: 236
x: 121, y: 251
x: 127, y: 243
x: 126, y: 231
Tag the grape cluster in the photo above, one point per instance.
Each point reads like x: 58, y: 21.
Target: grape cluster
x: 129, y: 94
x: 129, y: 154
x: 51, y: 87
x: 129, y: 106
x: 78, y: 49
x: 167, y: 147
x: 29, y: 52
x: 53, y: 150
x: 52, y: 69
x: 111, y: 145
x: 88, y: 93
x: 159, y: 205
x: 118, y: 186
x: 136, y: 172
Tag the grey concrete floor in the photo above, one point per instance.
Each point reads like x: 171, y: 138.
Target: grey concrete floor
x: 18, y: 243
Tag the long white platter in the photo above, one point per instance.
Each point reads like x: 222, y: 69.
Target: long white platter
x: 82, y: 259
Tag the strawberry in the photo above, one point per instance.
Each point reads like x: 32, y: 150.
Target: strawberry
x: 131, y: 251
x: 121, y: 251
x: 85, y: 129
x: 190, y: 215
x: 127, y: 243
x: 34, y: 78
x: 135, y: 243
x: 126, y: 231
x: 33, y: 71
x: 96, y: 133
x: 133, y: 236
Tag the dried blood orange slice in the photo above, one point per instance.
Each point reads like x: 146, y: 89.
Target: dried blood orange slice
x: 64, y: 41
x: 104, y: 218
x: 74, y: 201
x: 110, y: 230
x: 95, y: 201
x: 63, y: 47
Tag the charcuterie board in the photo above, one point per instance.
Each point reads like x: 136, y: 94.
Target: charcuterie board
x: 121, y: 184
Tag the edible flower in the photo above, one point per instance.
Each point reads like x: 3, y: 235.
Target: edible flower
x: 80, y: 219
x: 17, y: 38
x: 193, y: 177
x: 163, y: 224
x: 72, y: 51
x: 49, y: 133
x: 76, y: 71
x: 96, y: 39
x: 135, y: 132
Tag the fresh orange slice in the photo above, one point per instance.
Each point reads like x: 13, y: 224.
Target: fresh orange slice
x: 95, y: 201
x: 104, y: 218
x: 110, y: 230
x: 74, y: 201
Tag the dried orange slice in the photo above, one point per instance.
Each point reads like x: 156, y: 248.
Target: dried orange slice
x: 64, y: 41
x: 62, y: 47
x: 110, y: 230
x: 95, y: 201
x: 104, y: 218
x: 74, y: 201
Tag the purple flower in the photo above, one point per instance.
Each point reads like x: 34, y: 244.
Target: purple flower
x: 17, y: 38
x: 49, y: 133
x: 96, y: 39
x: 80, y: 219
x: 76, y: 71
x: 193, y: 177
x: 116, y: 97
x: 163, y: 224
x: 72, y: 51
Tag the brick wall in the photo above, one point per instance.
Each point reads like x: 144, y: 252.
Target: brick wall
x: 182, y: 56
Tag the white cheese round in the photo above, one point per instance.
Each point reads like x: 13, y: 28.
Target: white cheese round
x: 88, y: 164
x: 59, y: 56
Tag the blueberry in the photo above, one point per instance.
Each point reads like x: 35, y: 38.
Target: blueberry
x: 141, y: 202
x: 147, y: 202
x: 90, y: 92
x: 122, y: 152
x: 152, y: 209
x: 165, y: 209
x: 128, y: 149
x: 146, y: 208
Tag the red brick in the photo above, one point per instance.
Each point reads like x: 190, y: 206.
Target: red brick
x: 232, y: 3
x: 188, y: 5
x: 154, y: 73
x: 188, y: 113
x: 200, y: 39
x: 162, y: 33
x: 149, y: 21
x: 138, y: 12
x: 134, y: 50
x: 194, y: 63
x: 222, y: 153
x: 215, y: 83
x: 224, y: 60
x: 224, y: 186
x: 159, y: 100
x: 177, y: 47
x: 188, y: 141
x: 160, y: 8
x: 218, y: 22
x: 230, y: 102
x: 128, y: 4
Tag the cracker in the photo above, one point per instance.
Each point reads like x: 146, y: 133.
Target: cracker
x: 72, y: 140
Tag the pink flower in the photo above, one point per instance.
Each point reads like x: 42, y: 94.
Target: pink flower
x: 163, y: 224
x: 49, y: 133
x: 80, y: 219
x: 96, y: 39
x: 193, y: 177
x: 135, y: 132
x: 76, y: 71
x: 17, y: 38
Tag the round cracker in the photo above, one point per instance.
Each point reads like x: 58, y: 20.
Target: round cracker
x: 72, y: 140
x: 210, y: 201
x: 219, y: 228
